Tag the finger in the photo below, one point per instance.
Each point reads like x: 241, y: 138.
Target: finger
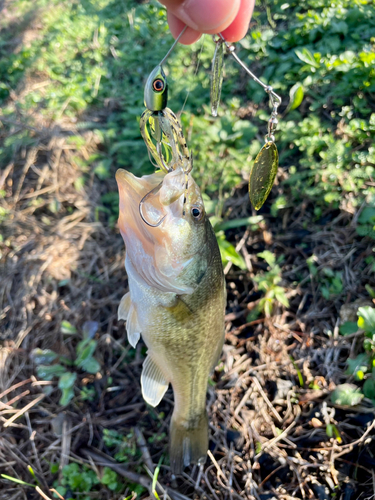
x: 238, y: 29
x: 176, y: 26
x: 205, y: 16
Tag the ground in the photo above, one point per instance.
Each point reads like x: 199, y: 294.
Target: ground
x: 73, y: 418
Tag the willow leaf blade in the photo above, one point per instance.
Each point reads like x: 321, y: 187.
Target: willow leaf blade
x: 217, y: 76
x: 263, y: 173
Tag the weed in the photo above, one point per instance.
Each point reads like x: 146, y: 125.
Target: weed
x: 362, y: 367
x: 81, y: 482
x: 125, y: 447
x: 330, y: 281
x: 50, y: 364
x: 268, y: 283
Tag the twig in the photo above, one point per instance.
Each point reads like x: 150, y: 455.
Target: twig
x: 144, y: 450
x: 15, y: 386
x: 38, y: 490
x: 348, y: 447
x: 268, y: 402
x: 23, y: 410
x: 30, y: 159
x: 213, y: 459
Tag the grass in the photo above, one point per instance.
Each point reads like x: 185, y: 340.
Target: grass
x: 291, y: 401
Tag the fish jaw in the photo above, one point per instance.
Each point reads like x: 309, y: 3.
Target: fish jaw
x: 161, y: 255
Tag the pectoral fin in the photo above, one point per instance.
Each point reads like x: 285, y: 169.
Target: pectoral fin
x: 132, y: 326
x: 153, y: 382
x: 128, y: 312
x: 124, y: 307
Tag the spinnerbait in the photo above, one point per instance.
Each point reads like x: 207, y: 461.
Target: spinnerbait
x: 164, y: 125
x: 264, y: 168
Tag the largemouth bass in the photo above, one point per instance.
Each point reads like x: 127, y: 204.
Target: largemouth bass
x: 176, y: 299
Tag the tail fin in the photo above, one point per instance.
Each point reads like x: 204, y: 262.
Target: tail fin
x: 188, y: 442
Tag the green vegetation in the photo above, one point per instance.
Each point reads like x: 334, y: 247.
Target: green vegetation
x: 268, y: 283
x: 95, y: 53
x: 50, y: 364
x: 123, y: 447
x: 79, y: 481
x: 362, y: 367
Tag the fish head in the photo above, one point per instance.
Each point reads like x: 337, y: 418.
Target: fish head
x: 165, y: 228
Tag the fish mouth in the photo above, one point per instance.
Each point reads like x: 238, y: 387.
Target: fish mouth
x: 156, y: 232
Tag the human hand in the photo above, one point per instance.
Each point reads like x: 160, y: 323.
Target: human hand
x: 229, y: 17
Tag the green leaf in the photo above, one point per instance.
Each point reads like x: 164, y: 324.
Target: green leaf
x: 367, y: 216
x: 67, y: 328
x: 90, y: 365
x: 295, y: 96
x: 306, y: 56
x: 268, y: 256
x: 54, y: 468
x: 67, y: 380
x: 329, y: 430
x: 66, y: 397
x: 85, y: 350
x: 62, y: 490
x: 109, y: 478
x: 48, y: 372
x: 366, y: 320
x: 346, y: 395
x: 228, y: 252
x: 43, y: 356
x: 369, y: 388
x: 360, y: 363
x: 18, y: 481
x: 281, y: 297
x: 348, y: 328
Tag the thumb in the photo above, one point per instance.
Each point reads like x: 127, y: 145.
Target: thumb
x: 205, y: 16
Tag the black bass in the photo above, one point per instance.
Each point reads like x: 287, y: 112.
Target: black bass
x: 176, y: 300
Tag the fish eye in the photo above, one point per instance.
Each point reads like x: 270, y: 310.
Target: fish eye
x: 158, y: 85
x: 196, y: 212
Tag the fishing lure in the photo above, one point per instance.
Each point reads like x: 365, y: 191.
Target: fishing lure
x: 264, y: 168
x: 162, y: 122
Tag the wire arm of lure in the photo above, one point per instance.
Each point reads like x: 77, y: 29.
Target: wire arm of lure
x: 275, y: 98
x: 143, y: 200
x: 173, y: 46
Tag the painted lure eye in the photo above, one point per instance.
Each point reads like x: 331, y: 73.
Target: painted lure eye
x: 158, y: 85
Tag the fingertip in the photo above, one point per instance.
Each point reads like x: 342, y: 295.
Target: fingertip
x: 176, y: 26
x: 238, y: 28
x: 208, y: 16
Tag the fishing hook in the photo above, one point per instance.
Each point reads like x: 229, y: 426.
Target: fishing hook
x: 159, y: 151
x: 153, y: 191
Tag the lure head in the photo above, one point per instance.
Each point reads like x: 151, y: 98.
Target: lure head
x: 156, y: 90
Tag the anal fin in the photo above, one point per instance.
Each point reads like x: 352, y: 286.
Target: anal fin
x: 153, y: 382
